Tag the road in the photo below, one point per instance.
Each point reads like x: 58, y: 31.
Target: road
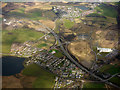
x: 112, y: 76
x: 72, y: 60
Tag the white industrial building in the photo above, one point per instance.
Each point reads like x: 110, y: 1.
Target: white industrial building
x: 104, y: 49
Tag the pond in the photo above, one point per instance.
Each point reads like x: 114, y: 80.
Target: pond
x: 82, y: 7
x: 11, y: 65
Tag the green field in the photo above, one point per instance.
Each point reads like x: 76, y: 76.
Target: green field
x: 57, y: 54
x: 94, y: 15
x: 21, y: 10
x: 107, y: 10
x: 19, y: 36
x: 50, y: 15
x: 112, y: 69
x: 93, y: 85
x: 115, y: 80
x: 44, y: 79
x: 57, y: 27
x: 35, y: 14
x: 68, y: 24
x: 42, y: 45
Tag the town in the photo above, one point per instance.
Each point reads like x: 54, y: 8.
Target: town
x: 60, y: 66
x: 72, y: 12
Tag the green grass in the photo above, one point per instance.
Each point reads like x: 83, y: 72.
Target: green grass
x: 68, y: 24
x: 22, y: 10
x: 102, y: 55
x: 19, y: 35
x: 112, y: 69
x: 17, y: 14
x: 105, y: 67
x: 93, y: 85
x: 115, y: 80
x: 38, y: 18
x: 57, y: 54
x: 95, y: 49
x: 32, y: 70
x: 42, y: 45
x: 49, y: 14
x: 95, y: 15
x: 0, y: 19
x: 35, y: 14
x: 57, y: 27
x: 44, y: 79
x: 107, y: 10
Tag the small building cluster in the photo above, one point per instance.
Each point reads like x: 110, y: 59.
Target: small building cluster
x: 24, y: 49
x: 87, y: 12
x: 71, y: 12
x: 60, y: 66
x: 61, y: 82
x: 13, y: 23
x: 67, y: 83
x: 67, y: 11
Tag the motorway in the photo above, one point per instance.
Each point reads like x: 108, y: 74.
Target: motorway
x: 72, y: 60
x: 77, y: 64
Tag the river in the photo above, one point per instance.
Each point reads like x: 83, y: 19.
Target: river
x: 12, y: 65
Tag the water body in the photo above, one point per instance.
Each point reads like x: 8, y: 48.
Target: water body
x: 11, y: 65
x: 82, y: 7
